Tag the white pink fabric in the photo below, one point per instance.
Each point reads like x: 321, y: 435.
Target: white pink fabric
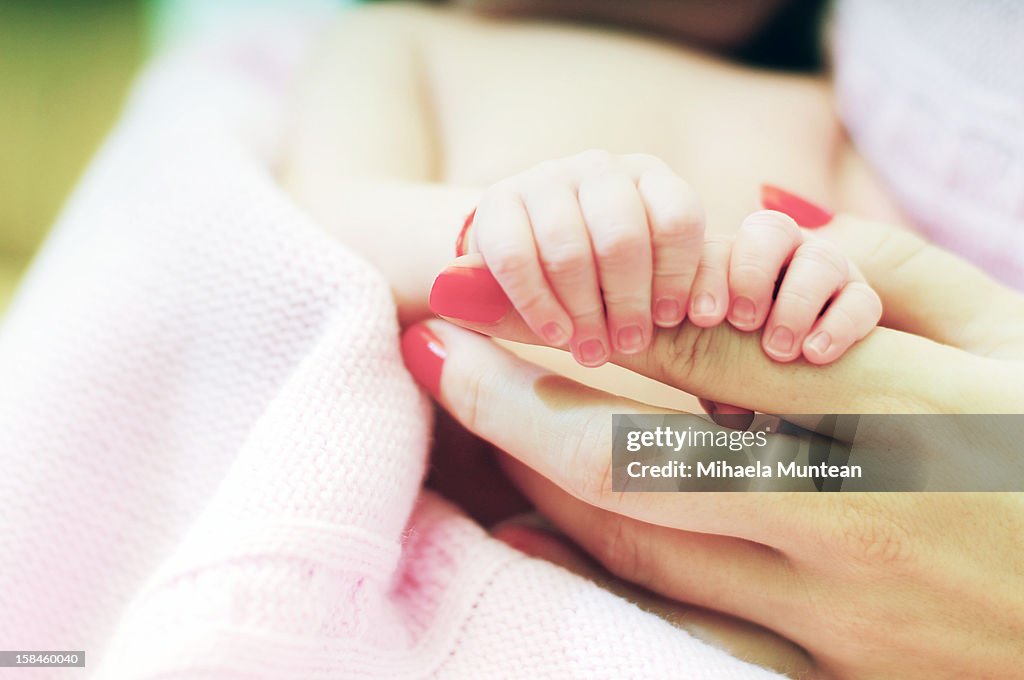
x: 932, y: 92
x: 212, y: 454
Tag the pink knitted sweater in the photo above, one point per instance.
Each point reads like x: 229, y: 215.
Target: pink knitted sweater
x: 212, y: 454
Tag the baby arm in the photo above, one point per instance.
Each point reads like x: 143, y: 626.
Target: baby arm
x: 596, y: 249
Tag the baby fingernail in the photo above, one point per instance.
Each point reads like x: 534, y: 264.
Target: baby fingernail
x: 743, y: 311
x: 704, y: 305
x: 781, y: 340
x: 667, y: 311
x: 820, y: 342
x: 630, y: 339
x: 592, y: 352
x: 554, y: 335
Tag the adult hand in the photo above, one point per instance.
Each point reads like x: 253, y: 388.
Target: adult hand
x: 870, y: 585
x: 939, y: 311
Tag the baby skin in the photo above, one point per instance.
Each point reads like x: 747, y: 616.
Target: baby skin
x: 595, y: 250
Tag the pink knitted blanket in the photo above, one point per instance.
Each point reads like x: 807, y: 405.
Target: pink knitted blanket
x: 212, y: 454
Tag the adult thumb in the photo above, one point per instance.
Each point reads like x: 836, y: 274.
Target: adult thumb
x: 925, y: 289
x: 726, y: 366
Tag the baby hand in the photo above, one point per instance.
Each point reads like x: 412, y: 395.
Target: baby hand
x: 808, y: 296
x: 593, y: 249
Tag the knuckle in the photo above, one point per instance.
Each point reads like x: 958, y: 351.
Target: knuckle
x: 856, y: 294
x: 795, y: 298
x: 588, y: 313
x: 899, y: 251
x: 823, y: 254
x: 621, y: 245
x: 750, y: 267
x: 684, y: 355
x: 619, y: 550
x: 589, y: 472
x: 534, y: 303
x: 511, y: 265
x: 870, y: 537
x: 680, y: 228
x: 716, y: 254
x: 697, y: 354
x: 867, y: 296
x: 841, y: 320
x: 470, y: 395
x: 771, y: 223
x: 471, y: 398
x: 622, y: 300
x: 854, y: 624
x: 570, y: 257
x: 681, y: 272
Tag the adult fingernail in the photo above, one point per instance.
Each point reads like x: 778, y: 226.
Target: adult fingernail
x: 704, y: 305
x: 804, y: 212
x: 709, y: 406
x: 424, y: 356
x: 592, y: 352
x: 667, y: 312
x: 630, y: 339
x: 733, y: 417
x: 781, y: 341
x: 743, y: 311
x: 820, y: 342
x: 469, y: 294
x: 461, y: 247
x: 554, y: 335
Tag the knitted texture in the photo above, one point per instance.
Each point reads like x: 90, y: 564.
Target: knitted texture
x: 213, y: 454
x: 932, y: 92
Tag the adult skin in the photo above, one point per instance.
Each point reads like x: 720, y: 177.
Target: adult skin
x: 393, y: 172
x: 863, y: 585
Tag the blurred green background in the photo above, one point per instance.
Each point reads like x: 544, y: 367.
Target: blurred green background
x: 64, y: 69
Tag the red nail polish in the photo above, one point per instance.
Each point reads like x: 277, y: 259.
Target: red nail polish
x: 803, y: 212
x: 424, y: 356
x: 469, y: 294
x: 461, y: 247
x: 727, y: 415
